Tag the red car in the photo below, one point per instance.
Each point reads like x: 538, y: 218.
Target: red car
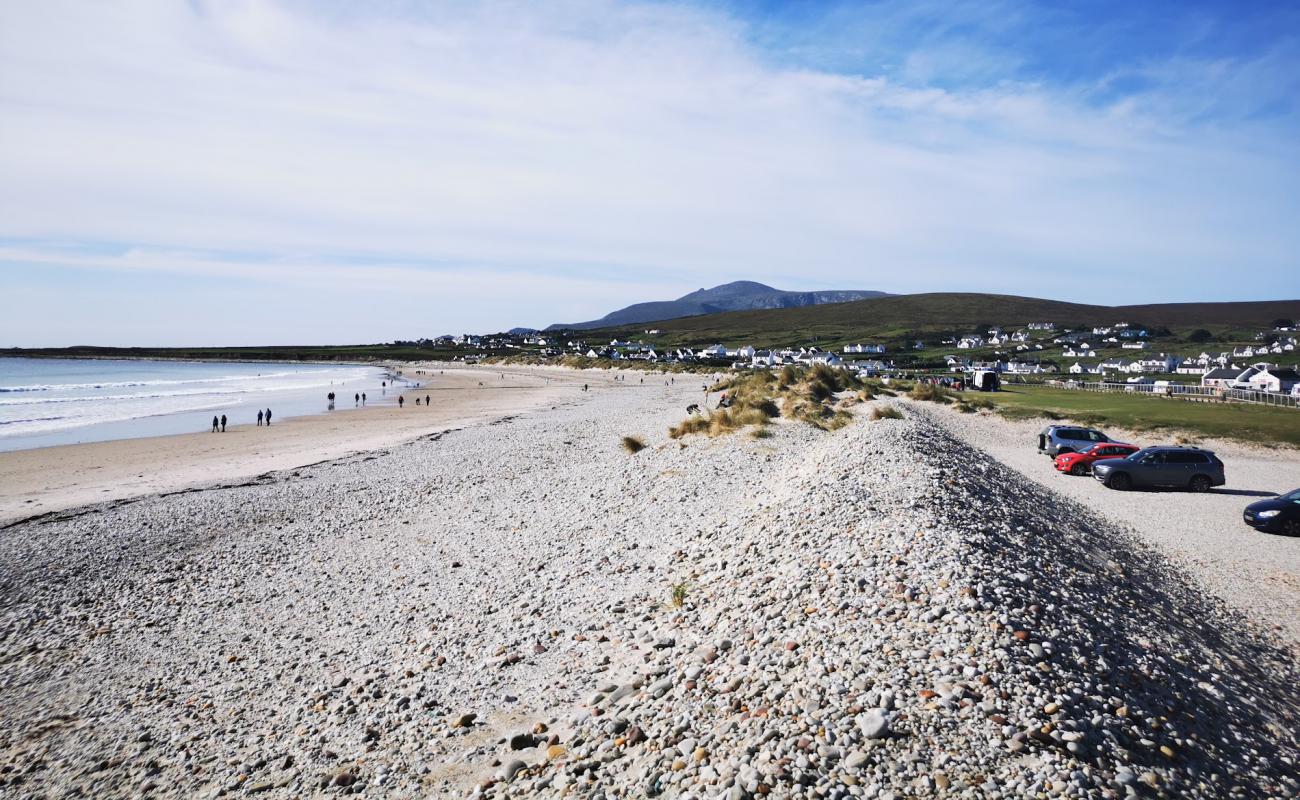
x: 1081, y: 463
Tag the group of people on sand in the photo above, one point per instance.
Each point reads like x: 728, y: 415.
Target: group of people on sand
x: 219, y: 423
x: 401, y: 401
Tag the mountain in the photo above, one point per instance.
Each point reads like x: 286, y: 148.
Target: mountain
x: 736, y: 296
x: 901, y: 316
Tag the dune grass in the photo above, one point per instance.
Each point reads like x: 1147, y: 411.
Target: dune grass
x: 633, y: 444
x: 931, y: 392
x: 885, y: 412
x: 810, y: 395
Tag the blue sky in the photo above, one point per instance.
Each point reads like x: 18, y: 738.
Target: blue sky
x: 283, y: 172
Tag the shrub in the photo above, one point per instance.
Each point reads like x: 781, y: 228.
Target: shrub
x: 886, y: 412
x: 679, y: 594
x: 633, y: 444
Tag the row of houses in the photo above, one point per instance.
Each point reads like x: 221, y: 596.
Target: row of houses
x: 1160, y: 363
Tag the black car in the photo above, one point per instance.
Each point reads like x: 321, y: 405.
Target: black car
x: 1162, y: 467
x: 1275, y: 515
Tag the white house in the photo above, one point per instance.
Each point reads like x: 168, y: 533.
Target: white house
x: 816, y: 356
x: 864, y: 348
x: 1274, y: 379
x: 1134, y: 345
x: 745, y: 352
x: 1041, y: 326
x: 970, y: 342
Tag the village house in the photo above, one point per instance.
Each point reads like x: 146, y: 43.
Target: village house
x: 864, y: 348
x: 970, y: 342
x: 1134, y: 345
x: 1274, y: 379
x: 1041, y: 326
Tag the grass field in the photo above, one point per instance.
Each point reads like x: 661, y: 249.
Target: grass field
x: 1267, y: 425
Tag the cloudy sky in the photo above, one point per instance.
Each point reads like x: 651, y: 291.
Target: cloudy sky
x: 253, y: 172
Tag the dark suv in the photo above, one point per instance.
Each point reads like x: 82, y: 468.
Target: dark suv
x: 1171, y: 467
x: 1057, y: 439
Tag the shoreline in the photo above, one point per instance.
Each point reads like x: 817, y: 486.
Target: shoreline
x: 40, y: 481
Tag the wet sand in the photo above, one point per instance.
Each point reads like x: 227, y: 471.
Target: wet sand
x: 50, y: 479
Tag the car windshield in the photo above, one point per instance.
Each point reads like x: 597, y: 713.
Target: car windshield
x: 1140, y: 454
x: 1293, y: 497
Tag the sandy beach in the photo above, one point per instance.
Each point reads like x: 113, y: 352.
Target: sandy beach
x: 51, y: 479
x: 526, y: 609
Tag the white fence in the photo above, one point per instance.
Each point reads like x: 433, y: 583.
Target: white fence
x: 1205, y: 394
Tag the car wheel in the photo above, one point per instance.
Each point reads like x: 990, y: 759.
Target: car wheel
x: 1291, y: 527
x: 1120, y: 482
x: 1200, y: 483
x: 1079, y: 469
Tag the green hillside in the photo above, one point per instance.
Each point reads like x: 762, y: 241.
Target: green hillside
x: 923, y: 315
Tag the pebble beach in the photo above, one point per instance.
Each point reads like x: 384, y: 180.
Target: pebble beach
x: 522, y: 608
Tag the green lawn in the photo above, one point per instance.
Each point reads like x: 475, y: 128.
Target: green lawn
x: 1258, y: 424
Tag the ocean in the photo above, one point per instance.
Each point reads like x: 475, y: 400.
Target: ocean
x: 46, y: 402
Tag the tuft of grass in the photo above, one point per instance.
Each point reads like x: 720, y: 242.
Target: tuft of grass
x: 886, y: 412
x: 633, y: 444
x: 931, y: 392
x: 760, y: 433
x: 679, y: 594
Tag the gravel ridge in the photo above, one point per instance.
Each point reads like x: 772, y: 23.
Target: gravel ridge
x: 880, y: 611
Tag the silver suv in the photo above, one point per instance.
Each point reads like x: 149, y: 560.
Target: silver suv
x: 1162, y: 467
x: 1056, y: 439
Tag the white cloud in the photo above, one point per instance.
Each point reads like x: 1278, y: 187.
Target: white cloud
x: 594, y: 142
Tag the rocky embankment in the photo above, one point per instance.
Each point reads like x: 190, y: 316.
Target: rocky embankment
x: 524, y: 609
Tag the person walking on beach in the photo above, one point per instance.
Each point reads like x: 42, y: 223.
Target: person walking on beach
x: 363, y: 398
x: 400, y: 400
x: 268, y: 418
x: 214, y: 424
x: 417, y: 399
x: 259, y: 417
x: 223, y: 423
x: 356, y: 400
x: 426, y: 400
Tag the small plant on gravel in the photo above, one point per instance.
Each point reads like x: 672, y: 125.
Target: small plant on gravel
x: 760, y: 433
x: 886, y: 412
x: 633, y: 444
x: 679, y: 594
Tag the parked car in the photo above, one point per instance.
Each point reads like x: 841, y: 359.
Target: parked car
x: 1081, y: 463
x: 1162, y: 467
x: 1275, y: 515
x: 1057, y: 439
